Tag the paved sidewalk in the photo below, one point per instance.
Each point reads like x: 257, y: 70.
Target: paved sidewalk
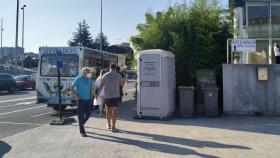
x: 202, y: 137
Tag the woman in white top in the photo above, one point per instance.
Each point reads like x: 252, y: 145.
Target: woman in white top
x: 100, y: 97
x: 277, y: 53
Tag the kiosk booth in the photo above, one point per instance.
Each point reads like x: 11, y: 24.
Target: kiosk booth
x: 156, y: 90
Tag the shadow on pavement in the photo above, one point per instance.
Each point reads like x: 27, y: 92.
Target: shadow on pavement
x: 265, y: 124
x: 4, y: 148
x: 69, y: 112
x: 179, y: 141
x: 163, y: 147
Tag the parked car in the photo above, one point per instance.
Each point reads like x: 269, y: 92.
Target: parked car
x: 7, y: 83
x: 25, y: 81
x: 131, y: 76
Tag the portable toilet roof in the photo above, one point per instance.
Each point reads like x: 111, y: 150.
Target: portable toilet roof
x: 160, y: 52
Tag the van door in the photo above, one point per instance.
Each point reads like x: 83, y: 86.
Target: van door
x: 5, y: 81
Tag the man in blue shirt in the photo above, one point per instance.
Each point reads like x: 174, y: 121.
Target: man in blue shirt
x: 82, y: 89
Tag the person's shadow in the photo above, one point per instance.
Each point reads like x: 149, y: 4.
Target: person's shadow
x: 4, y: 148
x: 184, y: 141
x: 164, y: 147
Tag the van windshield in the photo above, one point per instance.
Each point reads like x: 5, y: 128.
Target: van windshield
x: 70, y: 65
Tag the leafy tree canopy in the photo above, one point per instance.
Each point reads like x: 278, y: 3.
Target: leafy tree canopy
x: 127, y: 51
x: 196, y: 34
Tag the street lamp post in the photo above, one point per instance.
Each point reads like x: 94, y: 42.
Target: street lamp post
x: 101, y: 9
x: 22, y: 57
x: 1, y: 55
x: 16, y: 42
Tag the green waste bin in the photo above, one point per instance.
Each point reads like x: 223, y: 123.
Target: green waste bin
x: 186, y: 101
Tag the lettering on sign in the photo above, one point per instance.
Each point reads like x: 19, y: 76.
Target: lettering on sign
x: 149, y: 68
x: 62, y: 50
x: 244, y: 45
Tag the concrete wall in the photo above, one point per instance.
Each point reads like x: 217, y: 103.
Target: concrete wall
x: 243, y: 93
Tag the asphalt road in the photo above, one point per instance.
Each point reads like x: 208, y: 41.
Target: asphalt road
x: 19, y: 111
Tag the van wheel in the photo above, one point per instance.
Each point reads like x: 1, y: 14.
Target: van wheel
x: 56, y: 107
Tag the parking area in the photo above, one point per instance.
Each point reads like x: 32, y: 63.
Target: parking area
x: 19, y: 111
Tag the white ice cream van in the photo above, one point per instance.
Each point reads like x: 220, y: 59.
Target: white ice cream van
x: 74, y: 58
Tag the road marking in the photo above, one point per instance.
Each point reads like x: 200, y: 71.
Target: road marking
x: 12, y: 100
x: 27, y: 131
x: 14, y: 123
x: 1, y: 114
x: 131, y: 90
x: 24, y: 103
x: 43, y: 114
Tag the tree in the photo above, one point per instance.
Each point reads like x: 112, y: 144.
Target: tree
x: 105, y: 43
x: 82, y: 36
x: 127, y: 51
x: 196, y: 34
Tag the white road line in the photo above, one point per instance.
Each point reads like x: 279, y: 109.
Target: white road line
x: 42, y: 114
x: 1, y: 114
x: 24, y: 103
x: 14, y: 123
x: 12, y: 100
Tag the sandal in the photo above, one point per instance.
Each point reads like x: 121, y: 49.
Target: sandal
x: 108, y: 126
x: 115, y: 130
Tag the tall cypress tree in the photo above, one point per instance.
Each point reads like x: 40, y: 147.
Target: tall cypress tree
x: 82, y: 36
x: 105, y: 43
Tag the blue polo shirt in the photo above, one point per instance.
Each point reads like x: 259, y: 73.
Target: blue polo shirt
x: 83, y: 87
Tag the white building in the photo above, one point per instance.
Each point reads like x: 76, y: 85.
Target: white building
x: 260, y: 20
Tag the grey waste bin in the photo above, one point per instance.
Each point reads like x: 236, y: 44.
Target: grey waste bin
x: 186, y: 100
x: 211, y: 101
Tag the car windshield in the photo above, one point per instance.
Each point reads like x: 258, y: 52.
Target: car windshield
x: 70, y: 65
x: 19, y: 78
x: 4, y: 76
x: 131, y: 76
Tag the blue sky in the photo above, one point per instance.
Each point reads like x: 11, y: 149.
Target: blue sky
x: 52, y: 22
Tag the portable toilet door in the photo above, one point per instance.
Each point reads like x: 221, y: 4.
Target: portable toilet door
x: 149, y: 98
x: 156, y: 84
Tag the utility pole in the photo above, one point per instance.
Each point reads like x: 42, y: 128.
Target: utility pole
x: 1, y: 55
x: 101, y: 34
x: 16, y: 42
x: 22, y: 57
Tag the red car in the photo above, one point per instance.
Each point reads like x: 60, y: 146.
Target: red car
x: 25, y: 81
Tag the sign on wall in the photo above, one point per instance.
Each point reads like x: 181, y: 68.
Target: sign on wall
x: 149, y: 68
x: 243, y: 45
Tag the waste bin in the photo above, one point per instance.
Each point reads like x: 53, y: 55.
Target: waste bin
x: 186, y: 101
x: 211, y: 101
